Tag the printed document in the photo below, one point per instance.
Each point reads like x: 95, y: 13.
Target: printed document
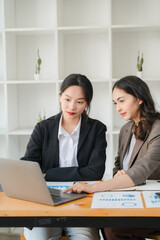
x: 117, y: 200
x: 150, y: 185
x: 151, y: 200
x: 65, y: 185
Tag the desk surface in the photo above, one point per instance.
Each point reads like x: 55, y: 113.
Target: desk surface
x: 18, y: 213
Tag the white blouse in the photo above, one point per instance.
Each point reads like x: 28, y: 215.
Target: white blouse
x: 128, y: 154
x: 68, y: 144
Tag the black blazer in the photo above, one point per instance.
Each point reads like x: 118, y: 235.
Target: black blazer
x: 43, y: 147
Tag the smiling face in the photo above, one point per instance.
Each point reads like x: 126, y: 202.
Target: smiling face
x: 73, y: 103
x: 126, y: 105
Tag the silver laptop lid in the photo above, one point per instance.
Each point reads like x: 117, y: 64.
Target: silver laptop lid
x: 24, y: 180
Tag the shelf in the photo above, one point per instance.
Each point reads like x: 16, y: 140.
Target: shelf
x: 19, y: 132
x: 146, y: 79
x: 116, y: 131
x: 30, y: 31
x: 32, y: 82
x: 135, y: 28
x: 93, y: 80
x: 83, y: 29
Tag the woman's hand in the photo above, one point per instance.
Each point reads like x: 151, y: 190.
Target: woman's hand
x: 80, y: 187
x: 120, y: 173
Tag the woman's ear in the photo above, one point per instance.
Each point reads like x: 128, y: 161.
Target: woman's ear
x: 140, y: 101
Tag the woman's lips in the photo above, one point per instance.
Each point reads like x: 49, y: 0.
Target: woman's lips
x: 71, y: 113
x: 123, y: 114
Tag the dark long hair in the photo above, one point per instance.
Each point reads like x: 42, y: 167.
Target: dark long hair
x: 139, y: 89
x: 84, y: 83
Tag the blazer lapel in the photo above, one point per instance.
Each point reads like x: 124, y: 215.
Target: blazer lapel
x: 83, y: 132
x: 54, y: 131
x: 126, y: 139
x: 136, y: 150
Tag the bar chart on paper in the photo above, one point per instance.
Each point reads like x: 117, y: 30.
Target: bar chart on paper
x: 117, y: 200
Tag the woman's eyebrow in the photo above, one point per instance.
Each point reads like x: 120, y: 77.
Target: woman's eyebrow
x: 71, y: 97
x: 120, y: 97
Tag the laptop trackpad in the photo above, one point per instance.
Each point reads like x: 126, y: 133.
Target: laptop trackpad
x: 59, y: 197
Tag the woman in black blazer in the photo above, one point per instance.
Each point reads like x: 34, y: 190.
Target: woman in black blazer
x: 69, y: 146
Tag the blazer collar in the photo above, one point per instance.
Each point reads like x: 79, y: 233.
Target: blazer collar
x: 138, y: 145
x: 54, y: 133
x: 136, y: 150
x: 85, y: 126
x: 126, y: 140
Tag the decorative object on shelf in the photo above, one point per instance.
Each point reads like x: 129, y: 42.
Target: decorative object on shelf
x: 38, y: 68
x: 41, y: 117
x: 140, y: 61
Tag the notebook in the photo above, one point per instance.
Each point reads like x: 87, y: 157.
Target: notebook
x: 24, y: 180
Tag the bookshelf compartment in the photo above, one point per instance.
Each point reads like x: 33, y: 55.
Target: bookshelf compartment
x: 3, y: 148
x: 100, y: 98
x: 17, y: 146
x: 84, y: 53
x: 155, y: 93
x: 125, y: 51
x: 141, y: 12
x: 1, y: 20
x: 83, y: 13
x: 22, y: 57
x: 30, y: 14
x: 1, y: 60
x: 24, y: 108
x: 3, y: 121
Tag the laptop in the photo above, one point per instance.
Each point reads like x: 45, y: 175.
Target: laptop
x: 24, y: 180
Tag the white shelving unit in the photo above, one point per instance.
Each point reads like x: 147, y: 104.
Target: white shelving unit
x: 98, y: 38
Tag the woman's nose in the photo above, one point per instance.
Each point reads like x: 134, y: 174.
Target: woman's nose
x: 72, y: 106
x: 118, y: 108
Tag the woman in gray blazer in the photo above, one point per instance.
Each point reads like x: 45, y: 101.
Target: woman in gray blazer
x: 69, y: 146
x: 139, y: 146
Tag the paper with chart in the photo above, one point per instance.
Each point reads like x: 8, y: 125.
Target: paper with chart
x: 59, y: 185
x: 65, y: 185
x: 151, y: 200
x: 117, y: 200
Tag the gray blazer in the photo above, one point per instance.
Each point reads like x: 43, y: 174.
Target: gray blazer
x: 145, y: 159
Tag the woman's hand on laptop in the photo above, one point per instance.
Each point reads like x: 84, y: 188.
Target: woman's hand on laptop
x: 80, y: 187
